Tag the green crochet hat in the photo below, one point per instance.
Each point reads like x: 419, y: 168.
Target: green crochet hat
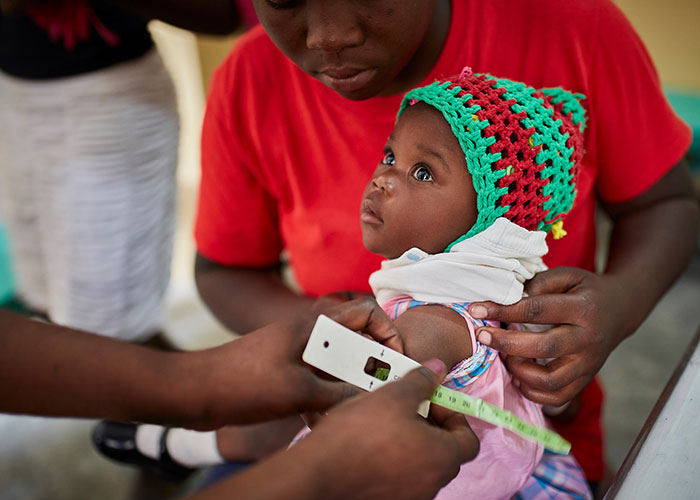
x: 523, y: 146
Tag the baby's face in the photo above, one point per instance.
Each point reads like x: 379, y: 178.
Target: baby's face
x: 421, y: 194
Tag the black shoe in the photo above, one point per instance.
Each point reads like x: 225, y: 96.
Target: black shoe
x: 117, y: 441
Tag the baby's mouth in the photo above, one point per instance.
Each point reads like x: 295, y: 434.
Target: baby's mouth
x: 369, y: 214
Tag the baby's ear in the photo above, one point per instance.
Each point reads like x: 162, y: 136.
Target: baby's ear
x: 568, y: 104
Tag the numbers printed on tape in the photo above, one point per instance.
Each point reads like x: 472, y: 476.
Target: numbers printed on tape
x: 366, y: 364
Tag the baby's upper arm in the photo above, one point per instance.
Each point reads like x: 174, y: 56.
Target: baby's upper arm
x: 435, y: 331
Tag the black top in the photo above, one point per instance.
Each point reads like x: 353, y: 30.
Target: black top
x: 26, y: 51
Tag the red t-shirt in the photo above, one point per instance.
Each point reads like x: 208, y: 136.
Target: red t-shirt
x: 285, y: 159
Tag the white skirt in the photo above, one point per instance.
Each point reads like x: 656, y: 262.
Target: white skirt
x: 87, y: 180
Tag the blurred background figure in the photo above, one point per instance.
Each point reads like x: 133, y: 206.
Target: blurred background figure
x: 88, y: 156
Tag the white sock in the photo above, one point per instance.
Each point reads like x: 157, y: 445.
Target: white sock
x: 189, y: 448
x: 148, y: 439
x: 193, y: 448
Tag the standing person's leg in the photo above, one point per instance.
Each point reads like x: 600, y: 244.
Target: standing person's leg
x: 108, y: 205
x: 28, y: 130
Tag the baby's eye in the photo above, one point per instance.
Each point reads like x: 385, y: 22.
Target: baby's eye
x: 388, y: 158
x: 422, y: 174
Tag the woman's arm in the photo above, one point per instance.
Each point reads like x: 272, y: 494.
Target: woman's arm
x: 50, y: 370
x: 244, y: 299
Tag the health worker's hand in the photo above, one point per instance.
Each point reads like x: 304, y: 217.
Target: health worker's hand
x: 378, y: 443
x: 587, y: 314
x: 330, y: 302
x: 261, y: 375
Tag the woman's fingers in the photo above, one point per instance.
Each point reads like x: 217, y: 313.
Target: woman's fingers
x: 553, y: 343
x: 552, y: 384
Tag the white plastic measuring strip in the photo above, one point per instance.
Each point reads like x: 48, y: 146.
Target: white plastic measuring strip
x: 342, y: 353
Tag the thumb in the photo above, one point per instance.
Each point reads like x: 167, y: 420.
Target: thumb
x: 557, y: 280
x: 417, y: 385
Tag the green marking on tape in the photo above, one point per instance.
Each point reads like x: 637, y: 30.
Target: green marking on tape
x: 474, y: 407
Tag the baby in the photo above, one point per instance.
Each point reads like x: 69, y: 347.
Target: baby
x: 476, y: 173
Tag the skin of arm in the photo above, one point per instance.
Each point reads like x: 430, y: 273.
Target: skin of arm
x: 51, y: 370
x: 244, y: 299
x: 434, y: 331
x: 347, y: 458
x: 653, y: 238
x: 216, y: 17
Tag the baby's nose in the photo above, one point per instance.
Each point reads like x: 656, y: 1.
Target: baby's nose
x: 385, y: 182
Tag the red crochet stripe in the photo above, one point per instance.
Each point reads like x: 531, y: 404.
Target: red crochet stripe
x: 524, y: 184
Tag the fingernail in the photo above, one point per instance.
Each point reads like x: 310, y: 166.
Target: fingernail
x: 484, y: 337
x: 478, y: 312
x: 435, y: 365
x: 516, y: 382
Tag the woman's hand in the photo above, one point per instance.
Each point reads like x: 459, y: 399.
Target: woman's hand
x: 587, y: 313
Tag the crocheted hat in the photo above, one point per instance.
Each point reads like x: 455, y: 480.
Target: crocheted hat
x: 523, y: 146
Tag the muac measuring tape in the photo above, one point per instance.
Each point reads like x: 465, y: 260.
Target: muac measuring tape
x: 350, y: 357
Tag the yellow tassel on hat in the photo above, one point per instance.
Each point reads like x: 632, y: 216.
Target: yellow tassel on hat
x: 558, y: 230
